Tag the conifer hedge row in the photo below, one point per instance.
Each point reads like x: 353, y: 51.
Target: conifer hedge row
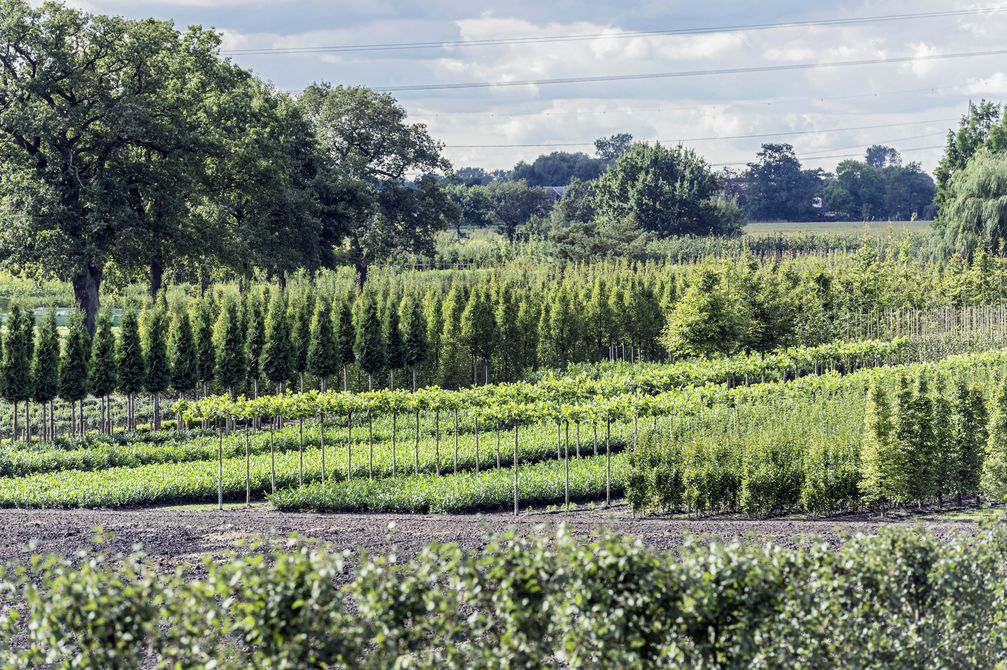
x: 909, y: 435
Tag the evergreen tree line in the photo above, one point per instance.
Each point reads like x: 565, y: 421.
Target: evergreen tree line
x: 461, y: 328
x: 917, y: 438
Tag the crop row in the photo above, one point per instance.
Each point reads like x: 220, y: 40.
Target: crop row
x: 196, y: 481
x: 591, y: 478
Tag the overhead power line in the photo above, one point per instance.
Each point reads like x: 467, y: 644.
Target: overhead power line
x: 622, y: 108
x: 710, y: 138
x: 804, y: 158
x: 548, y: 39
x: 790, y: 67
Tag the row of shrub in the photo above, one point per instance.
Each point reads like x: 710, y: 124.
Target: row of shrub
x: 902, y: 599
x: 922, y: 435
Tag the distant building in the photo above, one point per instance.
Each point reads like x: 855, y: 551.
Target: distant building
x: 556, y: 192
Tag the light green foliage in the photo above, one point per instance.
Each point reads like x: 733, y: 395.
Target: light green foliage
x: 971, y: 432
x: 880, y: 458
x: 994, y: 471
x: 974, y: 214
x: 710, y: 318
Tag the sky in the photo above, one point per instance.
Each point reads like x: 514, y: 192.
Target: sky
x: 827, y: 113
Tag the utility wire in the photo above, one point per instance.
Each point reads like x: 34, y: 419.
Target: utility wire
x: 547, y: 39
x: 711, y: 138
x: 791, y: 67
x: 804, y: 158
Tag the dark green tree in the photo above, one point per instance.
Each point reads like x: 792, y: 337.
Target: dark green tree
x: 45, y: 372
x: 73, y: 366
x: 229, y: 347
x: 300, y: 334
x: 778, y: 189
x: 395, y: 346
x: 206, y: 353
x: 129, y: 356
x: 369, y: 346
x: 182, y: 353
x: 104, y: 368
x: 345, y: 340
x: 323, y: 354
x: 278, y: 351
x: 667, y: 191
x: 157, y: 366
x: 255, y: 339
x: 17, y: 361
x: 415, y: 349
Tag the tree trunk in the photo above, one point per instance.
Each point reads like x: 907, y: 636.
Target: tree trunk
x: 86, y: 284
x: 156, y: 277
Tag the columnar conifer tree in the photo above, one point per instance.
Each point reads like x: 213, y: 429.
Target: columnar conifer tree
x: 434, y: 324
x: 28, y: 324
x: 478, y: 330
x: 971, y: 433
x: 345, y: 340
x: 45, y: 372
x: 300, y: 334
x: 229, y: 347
x: 16, y: 362
x: 104, y: 368
x: 905, y: 440
x: 414, y: 325
x: 157, y: 367
x: 255, y: 339
x: 942, y: 476
x: 369, y: 346
x: 599, y: 319
x: 509, y: 336
x: 994, y: 472
x: 323, y: 355
x: 182, y: 353
x: 880, y: 456
x: 206, y: 354
x: 277, y: 362
x: 73, y: 367
x: 129, y: 357
x: 395, y: 353
x: 920, y: 460
x: 451, y: 365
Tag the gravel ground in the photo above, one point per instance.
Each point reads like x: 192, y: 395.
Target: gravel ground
x: 183, y: 535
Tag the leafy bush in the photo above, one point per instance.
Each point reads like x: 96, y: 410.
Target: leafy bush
x: 902, y: 599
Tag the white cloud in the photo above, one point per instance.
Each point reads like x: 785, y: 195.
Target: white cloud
x: 994, y: 85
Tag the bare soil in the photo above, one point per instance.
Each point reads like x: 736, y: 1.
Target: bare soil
x: 172, y: 535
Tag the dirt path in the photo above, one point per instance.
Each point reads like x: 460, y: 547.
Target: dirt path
x: 180, y: 535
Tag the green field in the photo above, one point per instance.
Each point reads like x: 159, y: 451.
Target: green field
x: 871, y: 228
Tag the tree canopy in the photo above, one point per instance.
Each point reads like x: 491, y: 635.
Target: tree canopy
x: 668, y: 191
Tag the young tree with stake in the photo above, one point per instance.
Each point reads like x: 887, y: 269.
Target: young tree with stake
x: 45, y: 373
x: 416, y: 348
x: 370, y: 346
x: 104, y: 371
x: 73, y: 368
x: 129, y: 356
